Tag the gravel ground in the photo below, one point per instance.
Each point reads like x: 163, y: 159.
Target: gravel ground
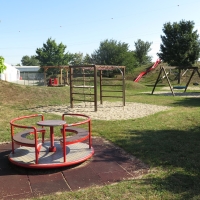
x: 107, y: 110
x: 115, y: 110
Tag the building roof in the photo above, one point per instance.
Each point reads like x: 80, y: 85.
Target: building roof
x: 27, y: 68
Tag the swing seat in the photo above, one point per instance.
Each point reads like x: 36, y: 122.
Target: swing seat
x: 179, y: 87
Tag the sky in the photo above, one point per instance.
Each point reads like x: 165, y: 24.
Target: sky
x: 81, y: 25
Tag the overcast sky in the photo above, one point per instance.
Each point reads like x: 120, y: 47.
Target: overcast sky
x: 82, y: 24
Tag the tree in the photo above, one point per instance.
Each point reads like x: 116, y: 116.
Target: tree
x: 180, y: 44
x: 141, y: 52
x: 52, y: 54
x: 29, y: 61
x: 2, y: 66
x: 87, y: 60
x: 111, y: 52
x: 76, y: 59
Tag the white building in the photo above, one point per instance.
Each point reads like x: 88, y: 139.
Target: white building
x: 11, y: 74
x: 30, y: 72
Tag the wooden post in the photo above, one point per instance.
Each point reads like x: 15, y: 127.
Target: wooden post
x: 157, y: 80
x: 101, y: 98
x: 83, y: 71
x: 67, y: 74
x: 168, y: 81
x: 193, y: 72
x: 61, y: 76
x: 124, y: 86
x: 71, y: 87
x: 95, y: 87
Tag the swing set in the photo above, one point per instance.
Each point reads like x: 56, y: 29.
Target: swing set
x: 164, y: 74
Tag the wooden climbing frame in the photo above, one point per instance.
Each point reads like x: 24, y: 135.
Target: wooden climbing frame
x: 91, y: 84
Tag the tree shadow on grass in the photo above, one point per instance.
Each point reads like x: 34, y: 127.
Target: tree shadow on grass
x: 186, y: 186
x: 175, y: 151
x: 190, y: 102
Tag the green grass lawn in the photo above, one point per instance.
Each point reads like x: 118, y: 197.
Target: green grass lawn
x: 168, y: 141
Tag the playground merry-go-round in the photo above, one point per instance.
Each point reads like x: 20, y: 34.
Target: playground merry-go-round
x: 37, y: 152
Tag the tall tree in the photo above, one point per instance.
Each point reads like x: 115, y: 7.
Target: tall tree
x: 52, y: 54
x: 180, y: 44
x: 29, y: 61
x: 111, y: 52
x: 141, y: 52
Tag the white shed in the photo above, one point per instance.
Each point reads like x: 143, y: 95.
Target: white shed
x: 11, y: 74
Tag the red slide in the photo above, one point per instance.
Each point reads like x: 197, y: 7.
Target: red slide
x: 148, y: 70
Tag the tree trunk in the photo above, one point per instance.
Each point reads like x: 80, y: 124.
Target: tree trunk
x: 179, y: 76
